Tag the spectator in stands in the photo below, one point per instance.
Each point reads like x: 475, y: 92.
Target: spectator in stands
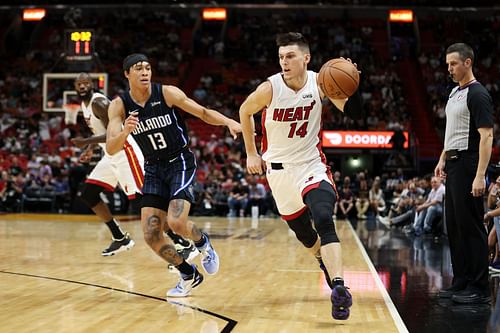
x: 238, y: 199
x: 403, y: 210
x: 220, y: 200
x: 494, y: 213
x: 61, y: 192
x: 33, y: 167
x: 337, y: 179
x: 256, y: 194
x: 15, y: 168
x: 376, y: 197
x: 431, y: 209
x: 14, y: 193
x: 346, y: 200
x: 362, y: 202
x: 45, y: 169
x: 4, y: 180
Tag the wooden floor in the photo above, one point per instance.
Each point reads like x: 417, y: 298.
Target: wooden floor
x: 53, y: 279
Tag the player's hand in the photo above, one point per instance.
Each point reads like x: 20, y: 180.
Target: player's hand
x: 254, y: 164
x: 234, y: 127
x: 478, y: 186
x: 79, y: 142
x: 131, y: 122
x: 355, y: 64
x: 439, y: 170
x: 86, y: 155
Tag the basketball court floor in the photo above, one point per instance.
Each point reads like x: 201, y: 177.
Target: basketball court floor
x: 53, y: 279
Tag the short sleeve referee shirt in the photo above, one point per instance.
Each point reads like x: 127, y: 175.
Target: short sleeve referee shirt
x: 469, y: 107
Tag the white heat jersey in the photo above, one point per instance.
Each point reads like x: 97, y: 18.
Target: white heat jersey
x: 125, y: 167
x: 292, y: 122
x: 94, y: 123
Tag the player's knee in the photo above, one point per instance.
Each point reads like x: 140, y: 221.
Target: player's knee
x: 321, y: 202
x: 90, y: 194
x: 323, y: 222
x: 328, y: 236
x: 303, y: 229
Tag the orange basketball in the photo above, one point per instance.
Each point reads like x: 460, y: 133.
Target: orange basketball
x: 338, y: 78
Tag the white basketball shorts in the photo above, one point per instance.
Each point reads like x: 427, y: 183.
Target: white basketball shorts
x: 125, y: 168
x: 290, y: 184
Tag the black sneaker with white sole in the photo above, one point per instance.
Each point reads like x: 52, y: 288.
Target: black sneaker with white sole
x: 188, y: 252
x: 119, y: 245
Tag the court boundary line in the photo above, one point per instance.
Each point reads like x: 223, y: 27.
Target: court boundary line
x: 398, y: 321
x: 231, y: 323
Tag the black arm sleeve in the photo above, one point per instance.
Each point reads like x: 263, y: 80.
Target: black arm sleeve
x: 353, y: 108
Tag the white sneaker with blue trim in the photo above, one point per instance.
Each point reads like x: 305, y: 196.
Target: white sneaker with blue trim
x: 210, y: 260
x: 185, y: 284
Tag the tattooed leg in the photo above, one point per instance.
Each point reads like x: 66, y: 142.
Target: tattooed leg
x: 152, y: 230
x: 176, y: 208
x: 178, y: 211
x: 153, y: 235
x: 195, y: 232
x: 169, y: 253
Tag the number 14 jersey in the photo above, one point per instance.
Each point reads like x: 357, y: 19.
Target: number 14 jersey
x: 291, y: 125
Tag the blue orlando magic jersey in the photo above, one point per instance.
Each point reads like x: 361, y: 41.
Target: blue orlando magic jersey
x: 161, y: 132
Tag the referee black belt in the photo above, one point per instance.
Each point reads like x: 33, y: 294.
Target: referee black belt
x: 277, y: 166
x: 455, y: 154
x: 452, y: 154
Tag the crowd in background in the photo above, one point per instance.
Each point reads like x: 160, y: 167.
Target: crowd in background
x: 38, y: 163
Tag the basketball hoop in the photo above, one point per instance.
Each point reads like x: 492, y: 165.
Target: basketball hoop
x: 71, y: 113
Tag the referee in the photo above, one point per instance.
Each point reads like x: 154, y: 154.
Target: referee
x: 463, y: 162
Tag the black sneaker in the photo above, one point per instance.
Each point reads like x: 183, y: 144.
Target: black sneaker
x: 341, y: 302
x: 186, y: 283
x: 119, y: 245
x: 188, y: 252
x: 448, y: 292
x: 470, y: 296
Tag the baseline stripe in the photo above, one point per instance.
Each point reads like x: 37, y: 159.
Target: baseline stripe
x: 387, y: 299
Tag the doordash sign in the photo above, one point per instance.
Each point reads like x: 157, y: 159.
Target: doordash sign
x: 360, y: 139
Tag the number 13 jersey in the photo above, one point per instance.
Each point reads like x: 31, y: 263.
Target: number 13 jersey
x: 161, y: 132
x: 291, y: 125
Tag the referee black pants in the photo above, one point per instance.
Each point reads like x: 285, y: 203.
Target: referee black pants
x: 464, y: 220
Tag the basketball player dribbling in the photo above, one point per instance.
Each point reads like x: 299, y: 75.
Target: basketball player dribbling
x: 295, y: 166
x: 124, y: 168
x: 151, y: 113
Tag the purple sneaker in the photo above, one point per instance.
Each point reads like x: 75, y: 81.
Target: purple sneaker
x: 327, y: 277
x: 341, y: 302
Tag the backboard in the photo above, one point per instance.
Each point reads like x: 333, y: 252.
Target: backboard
x: 58, y: 89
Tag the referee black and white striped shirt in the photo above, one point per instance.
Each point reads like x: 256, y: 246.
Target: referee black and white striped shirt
x: 469, y: 107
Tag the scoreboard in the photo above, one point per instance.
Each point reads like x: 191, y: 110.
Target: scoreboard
x: 79, y: 44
